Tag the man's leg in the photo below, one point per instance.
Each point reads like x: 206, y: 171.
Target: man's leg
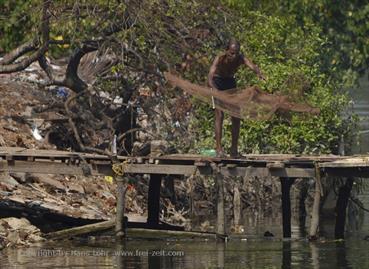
x: 219, y: 115
x: 235, y: 134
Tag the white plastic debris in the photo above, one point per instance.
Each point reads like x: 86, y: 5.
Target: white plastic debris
x: 36, y: 134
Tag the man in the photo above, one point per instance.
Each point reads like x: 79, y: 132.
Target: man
x: 221, y: 77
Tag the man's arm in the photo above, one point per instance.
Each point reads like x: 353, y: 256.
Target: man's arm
x: 212, y: 73
x: 253, y: 67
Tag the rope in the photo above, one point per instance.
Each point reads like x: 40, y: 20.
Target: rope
x: 119, y: 168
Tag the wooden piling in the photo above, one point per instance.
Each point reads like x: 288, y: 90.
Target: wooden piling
x: 314, y: 225
x: 341, y: 206
x: 236, y: 206
x: 154, y: 200
x: 121, y: 192
x: 286, y: 184
x: 220, y: 205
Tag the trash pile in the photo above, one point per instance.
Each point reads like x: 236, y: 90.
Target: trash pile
x: 16, y: 232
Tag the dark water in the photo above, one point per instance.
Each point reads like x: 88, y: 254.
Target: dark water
x: 253, y: 251
x: 248, y: 254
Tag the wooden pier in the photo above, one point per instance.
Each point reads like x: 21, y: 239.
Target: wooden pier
x: 284, y: 166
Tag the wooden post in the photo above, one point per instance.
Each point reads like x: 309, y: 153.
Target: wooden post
x: 220, y: 204
x: 314, y: 225
x: 286, y: 205
x: 153, y: 205
x: 121, y: 192
x: 302, y: 210
x: 341, y: 205
x: 236, y: 206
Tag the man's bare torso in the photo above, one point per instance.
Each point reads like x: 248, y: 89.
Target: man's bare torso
x: 227, y: 68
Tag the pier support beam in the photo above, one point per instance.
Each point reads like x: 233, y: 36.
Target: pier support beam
x: 220, y: 206
x: 221, y: 234
x: 314, y: 225
x: 120, y: 225
x: 286, y: 184
x: 341, y: 206
x: 153, y: 205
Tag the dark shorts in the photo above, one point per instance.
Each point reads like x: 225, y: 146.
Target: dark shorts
x: 223, y: 84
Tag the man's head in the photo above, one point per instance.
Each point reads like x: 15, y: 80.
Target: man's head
x: 233, y: 49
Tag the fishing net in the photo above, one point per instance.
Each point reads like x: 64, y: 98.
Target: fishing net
x: 249, y: 103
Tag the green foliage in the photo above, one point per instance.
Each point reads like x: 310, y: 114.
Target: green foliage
x: 292, y: 59
x: 308, y: 50
x: 17, y: 23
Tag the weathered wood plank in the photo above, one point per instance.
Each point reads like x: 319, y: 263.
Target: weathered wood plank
x: 160, y: 169
x: 44, y: 168
x: 68, y: 233
x: 265, y: 172
x: 362, y: 161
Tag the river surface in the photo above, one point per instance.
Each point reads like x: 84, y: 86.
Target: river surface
x: 255, y: 251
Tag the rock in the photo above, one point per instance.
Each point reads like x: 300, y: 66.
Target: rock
x: 90, y: 188
x: 14, y: 238
x: 20, y: 177
x: 2, y: 141
x: 17, y: 199
x: 17, y: 232
x: 6, y: 187
x: 3, y: 242
x: 17, y: 224
x: 47, y: 180
x: 106, y: 195
x: 27, y: 112
x: 74, y: 187
x: 8, y: 180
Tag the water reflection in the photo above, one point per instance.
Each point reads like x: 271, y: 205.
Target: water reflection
x: 221, y: 246
x: 286, y: 255
x: 254, y: 251
x: 341, y: 255
x: 273, y: 253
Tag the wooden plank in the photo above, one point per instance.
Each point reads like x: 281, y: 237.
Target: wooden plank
x: 44, y: 168
x: 23, y: 152
x: 47, y: 167
x: 256, y: 157
x: 160, y: 169
x: 362, y: 161
x: 76, y: 231
x: 265, y: 172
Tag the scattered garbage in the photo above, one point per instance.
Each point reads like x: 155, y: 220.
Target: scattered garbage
x: 208, y: 152
x: 36, y: 134
x: 62, y: 92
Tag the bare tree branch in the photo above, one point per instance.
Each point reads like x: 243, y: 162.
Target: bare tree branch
x: 6, y: 65
x: 16, y: 53
x: 23, y: 64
